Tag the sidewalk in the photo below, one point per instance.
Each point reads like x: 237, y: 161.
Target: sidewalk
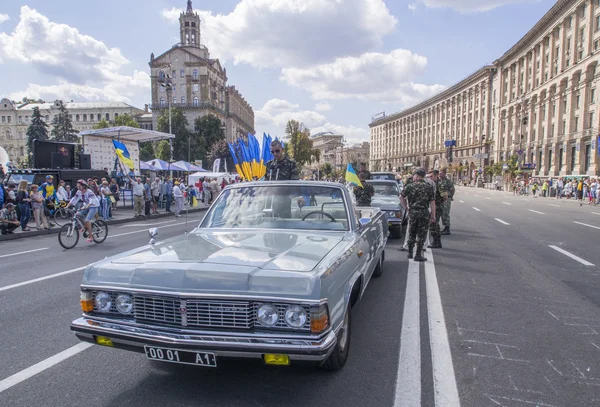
x: 530, y: 196
x: 120, y: 215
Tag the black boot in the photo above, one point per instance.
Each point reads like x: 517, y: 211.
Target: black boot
x: 410, y: 252
x: 439, y: 242
x: 419, y: 255
x: 435, y: 244
x: 446, y: 231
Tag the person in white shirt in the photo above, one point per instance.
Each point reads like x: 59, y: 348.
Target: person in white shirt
x: 178, y: 195
x: 62, y: 194
x: 138, y: 196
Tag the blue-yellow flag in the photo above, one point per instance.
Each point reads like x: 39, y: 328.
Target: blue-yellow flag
x: 351, y: 176
x: 123, y: 154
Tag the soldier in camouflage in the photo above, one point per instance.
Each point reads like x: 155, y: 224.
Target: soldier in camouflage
x: 441, y: 195
x: 282, y: 167
x: 449, y: 186
x: 419, y: 195
x: 363, y: 194
x: 409, y: 180
x: 363, y: 168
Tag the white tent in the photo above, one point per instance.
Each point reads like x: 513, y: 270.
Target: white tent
x: 193, y: 178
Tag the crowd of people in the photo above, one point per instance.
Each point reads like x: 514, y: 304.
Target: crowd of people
x: 581, y: 189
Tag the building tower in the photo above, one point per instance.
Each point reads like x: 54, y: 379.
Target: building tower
x: 189, y: 27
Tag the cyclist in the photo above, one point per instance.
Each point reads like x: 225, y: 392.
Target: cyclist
x: 90, y: 207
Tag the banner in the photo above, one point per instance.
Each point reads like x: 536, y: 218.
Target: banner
x: 216, y: 165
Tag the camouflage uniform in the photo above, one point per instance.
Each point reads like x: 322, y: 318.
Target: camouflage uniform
x: 367, y: 174
x: 283, y: 170
x: 418, y: 194
x: 447, y: 206
x: 363, y: 195
x: 440, y: 195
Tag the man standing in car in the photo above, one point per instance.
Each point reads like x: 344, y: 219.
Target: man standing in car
x: 281, y: 167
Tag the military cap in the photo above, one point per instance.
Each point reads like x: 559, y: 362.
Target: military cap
x: 435, y: 171
x: 420, y: 172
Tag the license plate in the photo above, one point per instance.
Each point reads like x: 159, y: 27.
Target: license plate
x: 185, y: 357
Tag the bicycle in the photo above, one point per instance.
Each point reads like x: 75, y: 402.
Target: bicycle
x: 59, y: 212
x: 68, y: 236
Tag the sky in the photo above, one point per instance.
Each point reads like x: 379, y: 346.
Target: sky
x: 331, y: 64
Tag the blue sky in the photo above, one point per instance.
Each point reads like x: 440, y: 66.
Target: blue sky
x: 329, y: 63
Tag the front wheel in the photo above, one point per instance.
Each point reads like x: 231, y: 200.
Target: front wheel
x: 68, y: 236
x: 61, y: 215
x: 339, y: 356
x: 99, y: 231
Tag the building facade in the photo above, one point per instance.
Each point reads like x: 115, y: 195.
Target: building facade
x: 15, y: 118
x: 355, y: 154
x: 538, y: 101
x: 187, y: 77
x: 327, y: 143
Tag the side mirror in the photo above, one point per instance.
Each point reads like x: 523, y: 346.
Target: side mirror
x: 365, y: 221
x: 153, y: 232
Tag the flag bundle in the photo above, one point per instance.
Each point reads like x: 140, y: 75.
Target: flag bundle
x: 123, y: 154
x: 249, y: 158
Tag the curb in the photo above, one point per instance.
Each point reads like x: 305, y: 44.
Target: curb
x: 55, y: 230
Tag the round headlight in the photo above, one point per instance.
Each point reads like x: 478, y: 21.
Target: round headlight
x: 295, y: 316
x: 124, y: 303
x: 103, y: 301
x: 267, y: 315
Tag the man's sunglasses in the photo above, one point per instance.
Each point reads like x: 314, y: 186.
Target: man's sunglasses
x: 275, y: 151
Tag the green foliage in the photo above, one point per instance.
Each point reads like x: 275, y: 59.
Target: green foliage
x: 62, y: 127
x: 326, y: 169
x: 147, y: 151
x: 122, y: 120
x: 37, y: 130
x: 163, y: 150
x: 208, y: 131
x: 102, y: 124
x: 513, y: 166
x: 179, y: 127
x: 299, y: 145
x: 220, y: 150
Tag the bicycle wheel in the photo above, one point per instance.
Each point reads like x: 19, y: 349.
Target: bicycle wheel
x: 61, y: 215
x: 68, y: 236
x: 99, y: 231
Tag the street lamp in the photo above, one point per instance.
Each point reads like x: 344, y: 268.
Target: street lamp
x: 167, y: 83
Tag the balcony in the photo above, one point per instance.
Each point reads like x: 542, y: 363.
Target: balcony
x: 189, y: 106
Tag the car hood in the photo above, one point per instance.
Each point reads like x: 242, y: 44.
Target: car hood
x: 386, y: 202
x: 220, y: 262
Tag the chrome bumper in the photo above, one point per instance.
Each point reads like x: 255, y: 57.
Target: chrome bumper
x: 134, y: 338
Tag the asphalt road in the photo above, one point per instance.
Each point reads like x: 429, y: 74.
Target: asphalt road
x: 499, y: 318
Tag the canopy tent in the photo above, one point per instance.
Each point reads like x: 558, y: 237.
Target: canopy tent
x: 189, y: 167
x: 146, y: 166
x: 128, y: 134
x: 161, y: 165
x: 195, y: 177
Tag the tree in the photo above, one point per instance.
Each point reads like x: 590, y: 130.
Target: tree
x: 299, y: 145
x: 163, y: 150
x: 147, y: 151
x: 326, y: 169
x: 102, y: 124
x: 208, y: 131
x: 126, y: 120
x: 38, y: 129
x: 179, y: 127
x: 220, y: 150
x: 62, y: 127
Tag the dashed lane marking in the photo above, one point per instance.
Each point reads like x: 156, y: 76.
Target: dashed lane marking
x: 462, y: 201
x: 477, y: 209
x: 557, y: 206
x: 501, y: 221
x: 571, y: 255
x: 595, y: 213
x: 541, y: 213
x: 27, y: 251
x: 488, y: 198
x: 585, y: 224
x: 43, y: 365
x: 506, y: 203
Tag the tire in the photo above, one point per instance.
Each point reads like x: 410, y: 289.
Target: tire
x: 68, y: 236
x: 62, y: 215
x: 379, y: 269
x: 340, y: 353
x: 99, y: 231
x: 396, y: 233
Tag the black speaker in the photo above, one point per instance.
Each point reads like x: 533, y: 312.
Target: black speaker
x: 57, y: 160
x: 85, y: 162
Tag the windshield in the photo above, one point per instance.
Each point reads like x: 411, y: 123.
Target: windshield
x: 280, y: 207
x: 386, y: 189
x: 16, y: 178
x: 391, y: 177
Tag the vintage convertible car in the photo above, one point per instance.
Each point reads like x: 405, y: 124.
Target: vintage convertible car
x: 271, y: 273
x: 387, y: 197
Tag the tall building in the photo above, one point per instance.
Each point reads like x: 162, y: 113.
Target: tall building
x: 15, y: 118
x: 187, y: 77
x: 327, y: 143
x: 537, y: 101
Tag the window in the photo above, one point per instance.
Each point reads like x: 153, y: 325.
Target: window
x: 552, y: 130
x: 580, y: 56
x: 161, y: 76
x: 564, y: 127
x: 20, y: 119
x: 577, y: 102
x: 582, y: 34
x: 195, y: 87
x: 85, y: 117
x: 8, y: 119
x: 162, y: 102
x: 583, y: 8
x: 99, y: 117
x: 116, y: 115
x: 553, y: 109
x: 568, y: 63
x: 187, y: 23
x: 161, y: 89
x: 107, y: 116
x: 91, y: 117
x: 576, y: 123
x: 591, y: 120
x: 76, y: 117
x: 182, y: 73
x: 173, y: 73
x: 564, y: 104
x: 196, y: 102
x: 597, y: 23
x: 193, y: 24
x: 596, y: 45
x: 174, y: 100
x: 183, y: 100
x: 569, y: 23
x: 593, y: 95
x: 195, y: 73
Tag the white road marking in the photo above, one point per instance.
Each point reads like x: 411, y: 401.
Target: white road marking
x: 133, y: 225
x: 462, y: 201
x: 501, y: 221
x: 558, y: 206
x: 585, y: 224
x: 444, y: 380
x: 488, y: 198
x: 43, y: 365
x: 541, y: 213
x: 506, y: 203
x: 408, y: 379
x: 477, y: 209
x: 595, y: 213
x: 571, y: 255
x: 27, y: 251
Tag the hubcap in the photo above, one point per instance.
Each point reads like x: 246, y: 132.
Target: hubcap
x: 344, y: 337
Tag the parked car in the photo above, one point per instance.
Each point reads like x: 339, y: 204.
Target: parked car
x: 387, y: 197
x: 383, y: 175
x: 272, y: 272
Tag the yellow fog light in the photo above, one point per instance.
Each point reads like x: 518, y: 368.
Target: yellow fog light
x: 277, y: 359
x: 104, y: 341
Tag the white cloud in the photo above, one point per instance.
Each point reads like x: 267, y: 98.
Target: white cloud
x: 372, y: 76
x: 85, y: 67
x: 4, y: 17
x: 322, y: 107
x: 274, y: 33
x: 412, y: 7
x: 472, y: 6
x: 275, y: 113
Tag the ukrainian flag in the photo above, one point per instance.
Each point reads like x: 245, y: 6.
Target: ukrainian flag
x: 351, y: 176
x: 123, y: 154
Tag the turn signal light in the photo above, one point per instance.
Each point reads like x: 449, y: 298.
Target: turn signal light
x: 319, y: 319
x: 104, y: 341
x: 87, y: 303
x: 277, y: 359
